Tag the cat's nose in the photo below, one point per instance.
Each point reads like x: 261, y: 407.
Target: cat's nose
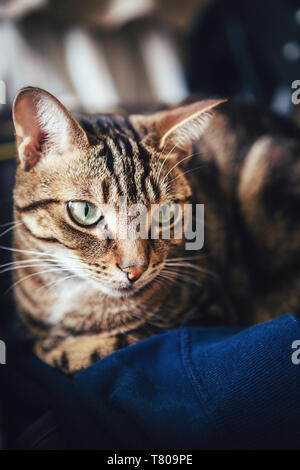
x: 133, y: 272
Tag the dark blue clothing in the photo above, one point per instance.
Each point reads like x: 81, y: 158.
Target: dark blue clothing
x: 193, y: 388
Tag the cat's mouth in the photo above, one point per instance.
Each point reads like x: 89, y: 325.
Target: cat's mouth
x: 118, y: 291
x: 127, y: 291
x: 124, y: 290
x: 130, y: 290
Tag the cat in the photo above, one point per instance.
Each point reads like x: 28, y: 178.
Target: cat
x: 81, y: 291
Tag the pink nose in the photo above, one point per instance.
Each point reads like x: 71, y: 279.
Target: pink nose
x: 133, y: 272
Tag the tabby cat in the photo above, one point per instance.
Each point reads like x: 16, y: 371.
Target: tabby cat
x: 81, y: 291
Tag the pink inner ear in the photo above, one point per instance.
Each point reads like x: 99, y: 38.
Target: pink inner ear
x: 32, y: 151
x: 30, y: 138
x: 41, y: 121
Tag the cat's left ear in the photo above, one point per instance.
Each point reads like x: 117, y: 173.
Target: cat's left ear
x: 43, y: 125
x: 184, y: 125
x: 181, y: 127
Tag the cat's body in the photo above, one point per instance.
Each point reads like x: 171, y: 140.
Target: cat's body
x: 245, y: 169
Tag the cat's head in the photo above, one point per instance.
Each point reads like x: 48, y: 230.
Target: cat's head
x: 75, y: 177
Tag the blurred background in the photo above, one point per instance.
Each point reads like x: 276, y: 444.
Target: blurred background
x: 103, y: 55
x: 98, y: 54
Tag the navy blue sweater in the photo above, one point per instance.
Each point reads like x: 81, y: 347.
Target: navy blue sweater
x: 193, y: 388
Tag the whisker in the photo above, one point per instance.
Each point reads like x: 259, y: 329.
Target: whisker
x: 34, y: 274
x: 187, y: 265
x: 37, y: 253
x: 178, y: 279
x: 54, y: 283
x: 163, y: 163
x: 37, y: 265
x: 10, y: 229
x: 185, y: 258
x: 168, y: 275
x: 28, y: 260
x: 42, y: 264
x: 14, y: 268
x: 8, y: 223
x: 197, y: 268
x: 182, y: 276
x: 166, y: 279
x: 176, y: 164
x: 185, y: 172
x: 158, y: 160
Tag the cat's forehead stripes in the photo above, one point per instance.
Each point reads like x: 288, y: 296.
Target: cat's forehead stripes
x: 102, y: 125
x: 105, y: 190
x: 127, y: 160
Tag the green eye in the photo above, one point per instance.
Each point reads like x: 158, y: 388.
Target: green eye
x: 84, y: 213
x: 166, y: 214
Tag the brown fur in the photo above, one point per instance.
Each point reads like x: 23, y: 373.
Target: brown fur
x: 245, y: 171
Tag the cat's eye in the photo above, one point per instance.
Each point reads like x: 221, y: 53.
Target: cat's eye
x: 84, y: 213
x: 166, y: 214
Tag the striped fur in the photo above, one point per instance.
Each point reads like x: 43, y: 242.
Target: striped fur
x: 68, y: 286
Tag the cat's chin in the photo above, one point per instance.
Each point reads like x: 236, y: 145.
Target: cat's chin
x: 130, y: 291
x: 123, y: 291
x: 116, y: 292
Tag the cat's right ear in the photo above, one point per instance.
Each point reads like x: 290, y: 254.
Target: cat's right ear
x: 43, y: 125
x: 179, y: 127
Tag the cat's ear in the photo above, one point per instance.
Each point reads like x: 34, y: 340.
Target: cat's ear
x: 180, y: 127
x: 183, y: 126
x: 42, y: 125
